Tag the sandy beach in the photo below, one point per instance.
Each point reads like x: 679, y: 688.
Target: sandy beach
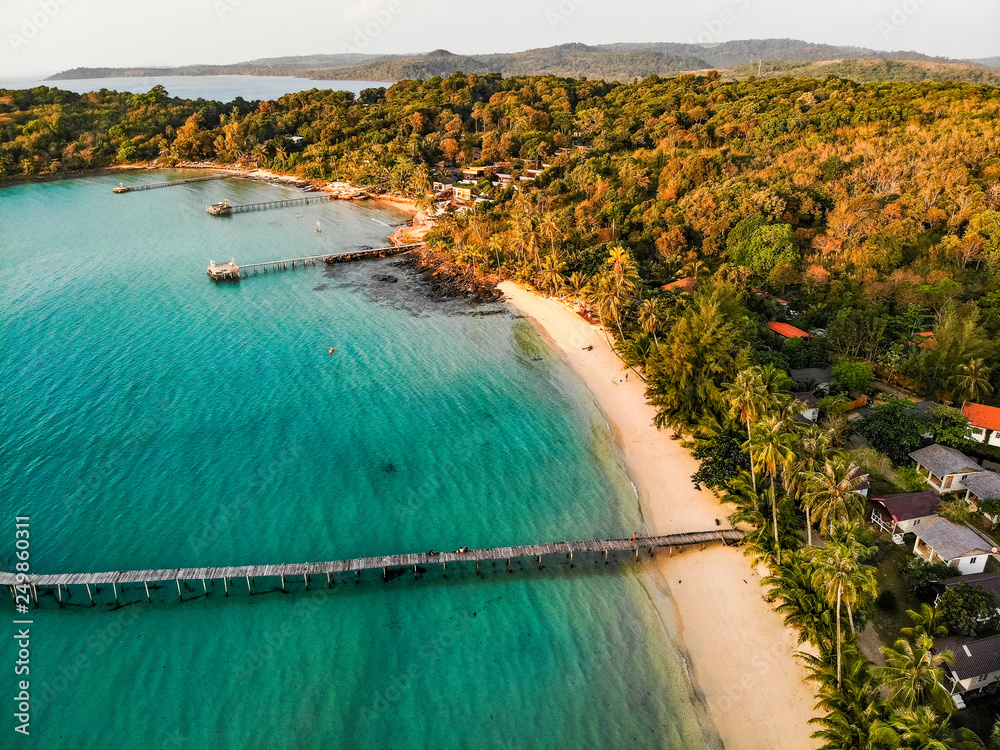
x: 738, y: 651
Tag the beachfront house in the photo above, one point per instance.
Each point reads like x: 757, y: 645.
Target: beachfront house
x: 944, y: 468
x: 898, y: 514
x: 983, y: 485
x: 809, y: 407
x: 941, y: 541
x: 977, y: 664
x: 988, y: 581
x: 788, y: 331
x: 984, y: 423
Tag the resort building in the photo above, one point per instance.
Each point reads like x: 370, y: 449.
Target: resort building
x: 810, y: 404
x: 944, y: 468
x: 984, y: 423
x: 788, y: 331
x: 681, y: 285
x: 813, y: 377
x: 941, y: 541
x: 977, y: 664
x: 903, y: 513
x: 988, y: 581
x: 983, y: 485
x: 463, y: 190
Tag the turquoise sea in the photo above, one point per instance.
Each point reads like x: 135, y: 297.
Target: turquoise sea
x: 152, y: 419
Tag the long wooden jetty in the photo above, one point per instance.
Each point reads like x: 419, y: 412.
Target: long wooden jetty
x: 232, y: 271
x: 169, y: 183
x: 227, y: 209
x: 357, y: 565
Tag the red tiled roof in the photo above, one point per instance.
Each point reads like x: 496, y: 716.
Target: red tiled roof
x: 980, y: 415
x: 788, y: 331
x: 682, y: 285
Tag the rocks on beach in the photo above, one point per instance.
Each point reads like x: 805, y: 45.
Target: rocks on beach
x: 449, y: 280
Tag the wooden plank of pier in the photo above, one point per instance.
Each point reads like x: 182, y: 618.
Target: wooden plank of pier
x: 169, y: 183
x: 726, y: 536
x: 225, y: 209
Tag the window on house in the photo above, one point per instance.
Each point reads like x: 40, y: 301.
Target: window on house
x: 972, y: 561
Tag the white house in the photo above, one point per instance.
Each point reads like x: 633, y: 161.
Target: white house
x: 944, y: 468
x: 900, y: 514
x: 984, y: 423
x: 940, y: 540
x: 977, y: 664
x: 463, y: 190
x: 983, y: 485
x: 988, y: 581
x: 810, y: 410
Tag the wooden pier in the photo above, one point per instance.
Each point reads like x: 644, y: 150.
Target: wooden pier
x: 227, y: 209
x: 169, y: 183
x: 384, y: 563
x: 231, y: 271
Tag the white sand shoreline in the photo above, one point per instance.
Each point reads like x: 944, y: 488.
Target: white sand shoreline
x: 737, y: 650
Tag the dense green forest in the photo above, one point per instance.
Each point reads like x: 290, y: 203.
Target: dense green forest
x: 872, y: 210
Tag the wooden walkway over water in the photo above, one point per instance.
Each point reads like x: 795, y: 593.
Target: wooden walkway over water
x: 169, y: 183
x: 231, y: 270
x: 225, y: 209
x: 356, y: 566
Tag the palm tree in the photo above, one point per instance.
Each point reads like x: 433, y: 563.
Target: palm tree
x: 974, y: 381
x: 804, y: 608
x: 551, y: 273
x: 611, y: 301
x: 752, y: 507
x: 811, y: 450
x: 925, y: 623
x: 921, y: 728
x: 747, y: 399
x: 840, y: 572
x: 578, y: 284
x: 496, y: 243
x: 832, y: 493
x: 769, y: 445
x: 649, y: 318
x: 914, y: 674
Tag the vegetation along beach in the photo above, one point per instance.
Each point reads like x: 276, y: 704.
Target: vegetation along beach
x: 764, y: 301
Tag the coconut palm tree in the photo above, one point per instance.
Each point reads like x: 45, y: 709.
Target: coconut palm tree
x: 973, y: 381
x: 913, y: 674
x: 611, y: 301
x: 926, y: 622
x: 840, y: 572
x: 769, y: 446
x: 810, y: 451
x: 804, y: 607
x: 551, y: 273
x: 921, y: 728
x: 650, y: 318
x: 747, y: 398
x: 578, y: 285
x: 832, y: 494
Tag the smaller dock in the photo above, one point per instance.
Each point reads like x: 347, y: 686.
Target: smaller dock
x: 155, y: 185
x: 227, y: 209
x: 232, y: 272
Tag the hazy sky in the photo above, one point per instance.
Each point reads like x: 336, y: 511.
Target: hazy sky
x: 44, y: 36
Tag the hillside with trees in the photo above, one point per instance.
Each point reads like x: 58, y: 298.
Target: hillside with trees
x: 866, y: 214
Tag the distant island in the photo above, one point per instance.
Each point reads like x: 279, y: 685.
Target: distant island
x: 771, y: 58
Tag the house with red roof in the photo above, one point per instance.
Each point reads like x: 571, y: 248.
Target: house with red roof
x: 681, y: 285
x: 898, y: 514
x: 788, y: 331
x: 984, y: 423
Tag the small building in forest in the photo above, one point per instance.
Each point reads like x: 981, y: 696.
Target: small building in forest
x: 902, y: 513
x: 976, y: 665
x: 984, y: 423
x: 787, y: 330
x: 944, y: 468
x: 941, y: 541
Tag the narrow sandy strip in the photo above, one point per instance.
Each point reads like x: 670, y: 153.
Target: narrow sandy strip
x: 738, y: 650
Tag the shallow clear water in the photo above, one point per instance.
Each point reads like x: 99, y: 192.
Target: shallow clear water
x: 218, y: 88
x: 152, y: 419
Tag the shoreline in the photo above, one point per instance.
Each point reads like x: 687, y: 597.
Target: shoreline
x: 738, y: 652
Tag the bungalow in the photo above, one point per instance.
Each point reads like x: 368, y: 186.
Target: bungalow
x: 899, y: 514
x: 788, y: 331
x: 810, y: 405
x: 820, y: 377
x: 442, y: 187
x: 983, y: 485
x: 463, y: 190
x: 988, y: 581
x: 977, y: 664
x: 681, y: 285
x: 984, y: 422
x: 940, y: 540
x: 761, y: 294
x: 945, y: 467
